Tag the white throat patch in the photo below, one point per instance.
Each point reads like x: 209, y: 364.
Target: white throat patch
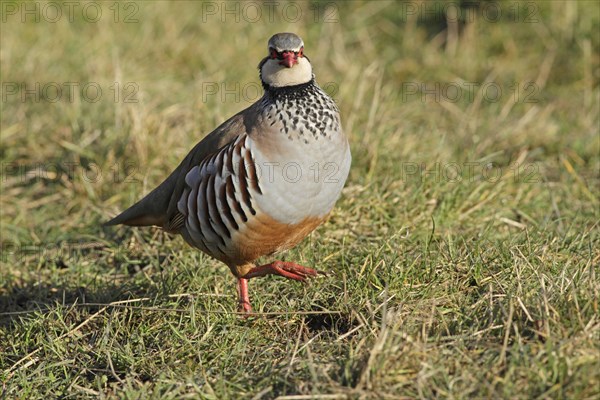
x: 276, y: 75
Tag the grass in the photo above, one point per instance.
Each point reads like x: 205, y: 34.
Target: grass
x: 463, y: 255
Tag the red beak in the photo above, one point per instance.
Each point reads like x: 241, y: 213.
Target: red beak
x: 289, y: 59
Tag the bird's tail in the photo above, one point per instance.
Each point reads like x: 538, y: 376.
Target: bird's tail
x: 151, y: 210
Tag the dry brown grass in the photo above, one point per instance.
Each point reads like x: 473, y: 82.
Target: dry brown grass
x: 482, y: 284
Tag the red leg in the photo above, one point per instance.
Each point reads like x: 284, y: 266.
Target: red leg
x: 288, y: 270
x: 244, y: 299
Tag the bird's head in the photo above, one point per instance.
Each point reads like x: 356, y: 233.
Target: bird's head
x: 286, y: 64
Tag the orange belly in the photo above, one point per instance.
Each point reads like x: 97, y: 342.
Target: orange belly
x: 261, y: 236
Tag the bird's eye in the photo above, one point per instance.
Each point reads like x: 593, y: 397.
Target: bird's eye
x: 273, y: 54
x: 301, y: 52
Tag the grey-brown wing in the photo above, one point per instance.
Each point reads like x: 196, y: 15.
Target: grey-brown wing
x: 159, y: 207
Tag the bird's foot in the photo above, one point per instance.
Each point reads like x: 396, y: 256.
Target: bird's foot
x: 245, y: 308
x: 286, y: 269
x: 244, y: 298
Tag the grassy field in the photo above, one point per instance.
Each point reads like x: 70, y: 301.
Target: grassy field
x: 463, y: 257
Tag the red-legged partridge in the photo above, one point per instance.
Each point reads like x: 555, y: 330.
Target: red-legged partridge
x: 261, y: 181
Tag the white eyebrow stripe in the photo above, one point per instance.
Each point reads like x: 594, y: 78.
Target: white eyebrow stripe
x: 277, y: 49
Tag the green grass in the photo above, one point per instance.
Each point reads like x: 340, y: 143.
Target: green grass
x: 483, y: 283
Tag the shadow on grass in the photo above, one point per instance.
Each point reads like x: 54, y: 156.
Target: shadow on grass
x: 80, y: 272
x: 32, y: 298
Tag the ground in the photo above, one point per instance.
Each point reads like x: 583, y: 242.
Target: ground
x: 462, y: 259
